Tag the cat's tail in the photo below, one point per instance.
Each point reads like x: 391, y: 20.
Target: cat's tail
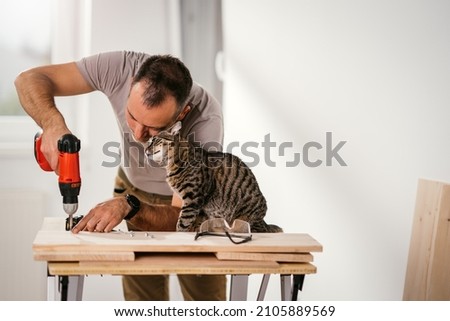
x: 272, y: 228
x: 263, y: 227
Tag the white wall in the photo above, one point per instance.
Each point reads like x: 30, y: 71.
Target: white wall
x: 373, y: 73
x: 376, y: 75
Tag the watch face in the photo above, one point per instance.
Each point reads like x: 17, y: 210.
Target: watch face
x: 135, y: 204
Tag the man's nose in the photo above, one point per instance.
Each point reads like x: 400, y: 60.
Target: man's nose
x: 142, y: 133
x: 151, y: 133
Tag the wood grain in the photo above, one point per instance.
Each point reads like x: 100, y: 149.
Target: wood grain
x: 52, y: 238
x: 83, y: 256
x: 277, y: 257
x: 155, y: 253
x: 168, y: 263
x: 428, y: 270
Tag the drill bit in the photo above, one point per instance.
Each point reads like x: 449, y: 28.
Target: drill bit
x: 70, y: 209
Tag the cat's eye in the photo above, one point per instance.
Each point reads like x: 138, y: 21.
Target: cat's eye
x: 239, y: 232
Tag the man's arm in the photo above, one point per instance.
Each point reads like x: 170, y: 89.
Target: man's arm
x: 158, y: 217
x: 107, y: 215
x: 36, y: 89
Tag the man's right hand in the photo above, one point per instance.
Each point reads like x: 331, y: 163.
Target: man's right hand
x: 49, y: 145
x: 104, y: 216
x: 37, y: 88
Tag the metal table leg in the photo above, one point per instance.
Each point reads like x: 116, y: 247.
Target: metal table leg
x: 65, y: 288
x: 238, y: 287
x: 297, y: 285
x: 286, y: 287
x: 290, y: 286
x: 263, y: 287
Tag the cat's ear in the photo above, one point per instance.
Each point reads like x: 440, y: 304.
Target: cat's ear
x: 175, y: 128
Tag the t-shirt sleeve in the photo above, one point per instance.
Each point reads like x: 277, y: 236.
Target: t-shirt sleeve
x: 209, y: 133
x: 106, y: 72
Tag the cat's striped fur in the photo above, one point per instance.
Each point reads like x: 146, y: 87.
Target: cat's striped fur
x: 211, y: 185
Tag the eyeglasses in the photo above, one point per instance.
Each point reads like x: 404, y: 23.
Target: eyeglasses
x: 239, y: 232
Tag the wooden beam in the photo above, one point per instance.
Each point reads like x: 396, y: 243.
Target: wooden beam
x: 428, y: 270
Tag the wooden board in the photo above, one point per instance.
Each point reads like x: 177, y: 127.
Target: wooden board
x: 83, y: 256
x: 277, y: 257
x: 53, y: 239
x: 164, y: 263
x: 428, y: 270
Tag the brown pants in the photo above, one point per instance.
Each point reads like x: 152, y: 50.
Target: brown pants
x: 156, y: 287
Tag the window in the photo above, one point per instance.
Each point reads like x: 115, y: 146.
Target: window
x: 201, y: 28
x: 25, y: 33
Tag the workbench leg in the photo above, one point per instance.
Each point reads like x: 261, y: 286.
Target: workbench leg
x: 291, y: 286
x: 52, y: 287
x: 298, y: 281
x: 238, y: 287
x: 286, y: 287
x: 263, y: 287
x: 65, y: 288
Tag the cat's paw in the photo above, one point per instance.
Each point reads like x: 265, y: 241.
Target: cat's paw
x: 181, y: 228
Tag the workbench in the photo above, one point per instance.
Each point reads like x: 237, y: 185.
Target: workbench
x: 71, y: 256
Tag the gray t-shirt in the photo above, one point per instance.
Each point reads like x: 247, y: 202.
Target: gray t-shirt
x: 111, y: 73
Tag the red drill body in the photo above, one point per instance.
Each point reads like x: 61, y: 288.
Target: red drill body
x: 69, y: 169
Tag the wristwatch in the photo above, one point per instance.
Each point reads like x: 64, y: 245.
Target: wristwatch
x: 135, y: 204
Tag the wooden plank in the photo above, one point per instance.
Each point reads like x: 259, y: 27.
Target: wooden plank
x: 440, y: 269
x: 428, y: 270
x: 52, y: 238
x: 277, y: 257
x: 69, y: 256
x: 421, y: 240
x: 163, y: 263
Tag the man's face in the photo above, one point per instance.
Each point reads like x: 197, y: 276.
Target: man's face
x: 146, y: 122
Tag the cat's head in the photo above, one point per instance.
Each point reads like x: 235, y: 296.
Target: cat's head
x: 160, y: 144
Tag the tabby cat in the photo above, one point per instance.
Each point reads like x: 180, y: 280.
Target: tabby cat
x: 211, y: 184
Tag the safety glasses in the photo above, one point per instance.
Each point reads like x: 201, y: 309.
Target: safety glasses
x: 239, y: 232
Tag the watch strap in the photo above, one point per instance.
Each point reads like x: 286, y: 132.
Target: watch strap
x: 135, y: 204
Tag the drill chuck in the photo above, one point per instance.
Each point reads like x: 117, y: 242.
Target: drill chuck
x: 69, y: 192
x: 70, y: 208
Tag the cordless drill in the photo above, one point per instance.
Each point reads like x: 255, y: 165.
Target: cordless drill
x: 69, y: 170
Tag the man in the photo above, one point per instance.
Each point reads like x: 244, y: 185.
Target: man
x: 148, y: 94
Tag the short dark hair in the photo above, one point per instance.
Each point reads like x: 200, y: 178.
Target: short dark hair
x: 164, y: 75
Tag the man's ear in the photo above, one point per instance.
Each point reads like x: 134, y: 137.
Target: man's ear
x: 175, y: 128
x: 184, y: 112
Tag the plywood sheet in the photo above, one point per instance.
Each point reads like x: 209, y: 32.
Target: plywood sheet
x: 52, y: 238
x: 168, y: 263
x: 277, y: 257
x: 428, y: 270
x: 83, y: 256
